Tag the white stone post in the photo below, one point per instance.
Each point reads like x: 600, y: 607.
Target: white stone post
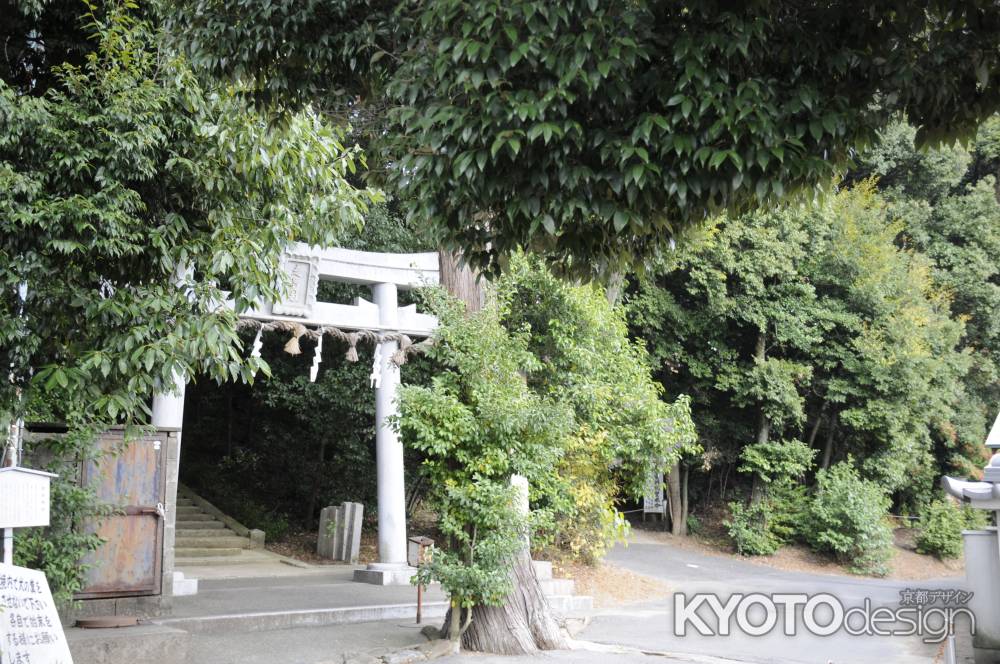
x: 168, y: 413
x: 392, y: 567
x: 168, y: 406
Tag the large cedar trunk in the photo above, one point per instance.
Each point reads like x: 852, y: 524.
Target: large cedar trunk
x: 525, y: 623
x: 460, y: 280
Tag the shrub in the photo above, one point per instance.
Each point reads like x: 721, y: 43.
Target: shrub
x: 847, y: 518
x: 694, y: 524
x: 749, y: 528
x: 940, y: 529
x: 789, y: 503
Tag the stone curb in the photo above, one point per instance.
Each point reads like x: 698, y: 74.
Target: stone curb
x: 273, y: 620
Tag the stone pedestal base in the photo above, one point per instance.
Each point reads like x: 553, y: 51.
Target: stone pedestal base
x: 384, y: 574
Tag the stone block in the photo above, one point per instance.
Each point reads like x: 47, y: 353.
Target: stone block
x: 340, y: 532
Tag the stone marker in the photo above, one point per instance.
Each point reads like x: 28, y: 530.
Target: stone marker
x: 30, y: 630
x: 340, y: 532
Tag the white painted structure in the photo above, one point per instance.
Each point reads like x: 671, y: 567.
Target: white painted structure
x: 24, y: 503
x: 982, y: 548
x: 386, y: 274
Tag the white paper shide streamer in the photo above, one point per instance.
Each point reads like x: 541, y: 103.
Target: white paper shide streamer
x: 317, y: 358
x: 375, y: 379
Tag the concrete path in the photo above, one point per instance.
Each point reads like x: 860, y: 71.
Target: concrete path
x: 309, y: 617
x: 252, y: 564
x: 649, y: 625
x: 315, y: 598
x: 303, y: 645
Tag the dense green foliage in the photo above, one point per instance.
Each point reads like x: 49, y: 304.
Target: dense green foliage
x: 542, y: 383
x: 947, y: 207
x: 803, y: 322
x: 596, y: 131
x: 749, y: 528
x: 864, y: 323
x: 147, y: 194
x: 133, y: 198
x: 847, y: 518
x: 773, y: 515
x: 941, y: 524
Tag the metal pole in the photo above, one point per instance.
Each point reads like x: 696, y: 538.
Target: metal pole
x: 420, y: 600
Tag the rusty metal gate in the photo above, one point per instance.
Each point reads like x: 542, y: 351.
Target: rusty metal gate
x: 132, y: 478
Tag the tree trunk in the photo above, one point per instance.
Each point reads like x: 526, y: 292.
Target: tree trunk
x: 723, y: 485
x: 816, y: 424
x: 524, y: 624
x: 318, y: 473
x: 678, y: 524
x: 685, y: 498
x: 763, y: 424
x: 828, y: 448
x: 460, y: 280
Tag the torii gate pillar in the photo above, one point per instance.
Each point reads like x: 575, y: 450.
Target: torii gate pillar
x: 392, y: 567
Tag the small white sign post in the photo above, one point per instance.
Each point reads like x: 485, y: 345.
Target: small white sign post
x: 24, y: 503
x: 30, y: 630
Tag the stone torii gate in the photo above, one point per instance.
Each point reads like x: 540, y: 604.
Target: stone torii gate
x: 386, y: 274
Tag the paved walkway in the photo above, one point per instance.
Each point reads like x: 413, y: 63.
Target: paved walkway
x: 316, y: 596
x: 649, y: 625
x: 314, y: 614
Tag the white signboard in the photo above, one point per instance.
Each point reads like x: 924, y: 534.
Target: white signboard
x: 24, y: 498
x: 653, y: 502
x: 30, y: 631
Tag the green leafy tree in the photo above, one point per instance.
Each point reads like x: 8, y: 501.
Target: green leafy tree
x: 133, y: 201
x: 595, y: 131
x: 477, y: 425
x: 879, y: 368
x: 946, y: 205
x: 940, y: 529
x: 544, y: 383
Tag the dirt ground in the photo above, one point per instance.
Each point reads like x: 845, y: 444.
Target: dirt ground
x: 302, y: 546
x: 611, y: 585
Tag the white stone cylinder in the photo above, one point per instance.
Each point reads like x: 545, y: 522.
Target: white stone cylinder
x: 388, y: 448
x: 168, y: 406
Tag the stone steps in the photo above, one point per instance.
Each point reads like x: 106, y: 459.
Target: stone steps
x: 200, y: 537
x: 224, y: 539
x: 192, y: 516
x: 560, y: 593
x: 203, y: 532
x: 205, y: 552
x: 244, y: 557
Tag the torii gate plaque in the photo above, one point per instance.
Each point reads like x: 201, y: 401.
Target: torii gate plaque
x: 385, y: 274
